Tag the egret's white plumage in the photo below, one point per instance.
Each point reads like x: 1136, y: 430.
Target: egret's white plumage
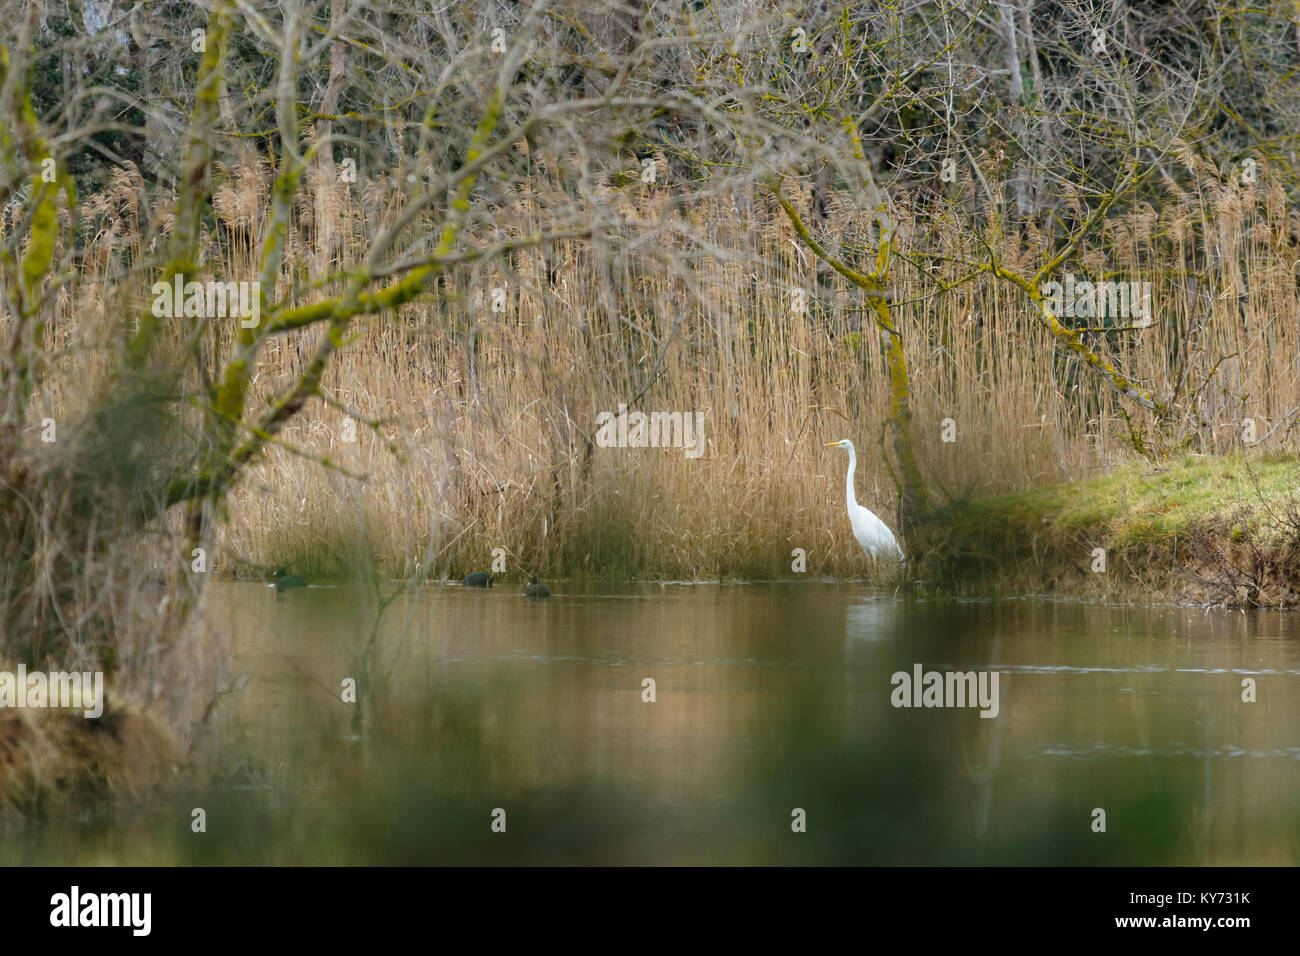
x: 872, y: 533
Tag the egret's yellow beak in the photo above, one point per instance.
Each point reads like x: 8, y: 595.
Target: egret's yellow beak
x: 832, y: 444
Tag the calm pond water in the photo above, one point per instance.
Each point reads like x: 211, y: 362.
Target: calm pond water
x: 479, y: 706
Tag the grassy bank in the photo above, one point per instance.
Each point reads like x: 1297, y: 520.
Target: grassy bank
x: 1213, y: 529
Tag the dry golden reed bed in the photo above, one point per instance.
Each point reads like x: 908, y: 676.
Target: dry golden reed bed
x: 487, y: 415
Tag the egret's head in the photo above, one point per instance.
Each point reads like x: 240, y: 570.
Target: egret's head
x: 842, y: 443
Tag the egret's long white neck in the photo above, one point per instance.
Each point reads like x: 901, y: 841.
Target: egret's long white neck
x: 853, y: 466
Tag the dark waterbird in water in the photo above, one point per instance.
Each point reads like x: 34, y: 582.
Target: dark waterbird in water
x: 287, y: 582
x: 478, y: 579
x: 535, y: 590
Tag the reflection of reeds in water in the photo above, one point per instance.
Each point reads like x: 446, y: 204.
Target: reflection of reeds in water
x: 503, y: 404
x: 786, y: 710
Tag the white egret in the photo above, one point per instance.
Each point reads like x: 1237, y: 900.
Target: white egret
x: 872, y: 533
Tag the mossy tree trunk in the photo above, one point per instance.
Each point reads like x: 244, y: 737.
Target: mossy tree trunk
x: 914, y: 496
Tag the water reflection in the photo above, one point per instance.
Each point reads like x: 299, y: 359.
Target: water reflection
x: 766, y: 698
x: 870, y: 619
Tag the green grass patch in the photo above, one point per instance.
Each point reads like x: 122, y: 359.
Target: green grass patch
x: 1155, y: 522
